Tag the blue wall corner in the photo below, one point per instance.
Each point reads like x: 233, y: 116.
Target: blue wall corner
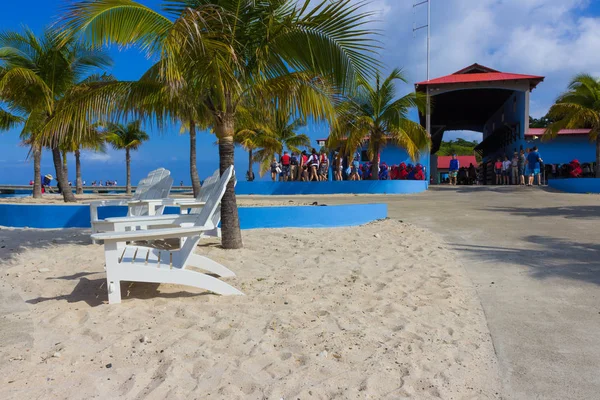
x: 576, y: 185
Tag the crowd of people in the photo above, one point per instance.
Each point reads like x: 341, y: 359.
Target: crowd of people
x: 524, y: 168
x: 314, y: 166
x: 106, y: 183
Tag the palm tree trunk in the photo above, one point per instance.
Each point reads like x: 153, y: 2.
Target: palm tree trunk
x: 230, y: 222
x: 193, y: 166
x: 60, y: 176
x: 128, y: 166
x: 375, y: 162
x: 65, y: 166
x: 79, y: 181
x: 598, y: 156
x: 37, y: 171
x: 250, y: 163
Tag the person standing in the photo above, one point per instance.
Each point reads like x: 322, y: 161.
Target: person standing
x: 313, y: 165
x: 453, y: 169
x: 294, y: 167
x: 533, y: 163
x: 514, y: 165
x: 274, y: 169
x: 506, y: 167
x: 521, y: 165
x: 498, y: 171
x: 285, y: 166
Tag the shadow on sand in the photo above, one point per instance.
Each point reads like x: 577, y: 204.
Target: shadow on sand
x: 94, y: 293
x: 583, y: 212
x: 557, y: 258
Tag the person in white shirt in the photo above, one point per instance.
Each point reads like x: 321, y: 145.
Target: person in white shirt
x: 506, y: 169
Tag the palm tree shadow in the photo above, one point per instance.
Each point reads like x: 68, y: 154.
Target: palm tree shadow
x: 93, y: 292
x: 560, y: 258
x: 577, y: 212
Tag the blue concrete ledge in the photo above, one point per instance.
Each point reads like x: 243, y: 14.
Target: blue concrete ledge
x: 46, y: 216
x: 576, y: 185
x: 331, y: 187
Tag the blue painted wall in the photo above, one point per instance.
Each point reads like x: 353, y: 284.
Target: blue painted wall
x: 331, y: 187
x: 564, y: 149
x: 78, y: 216
x: 576, y: 185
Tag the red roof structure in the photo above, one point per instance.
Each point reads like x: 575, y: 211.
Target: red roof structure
x: 540, y: 132
x: 479, y: 73
x: 443, y: 162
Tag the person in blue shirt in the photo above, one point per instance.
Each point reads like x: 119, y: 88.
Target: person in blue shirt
x: 533, y: 163
x: 453, y: 169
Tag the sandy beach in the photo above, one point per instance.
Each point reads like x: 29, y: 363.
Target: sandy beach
x: 244, y: 201
x: 380, y: 311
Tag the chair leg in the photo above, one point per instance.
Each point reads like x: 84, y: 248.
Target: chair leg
x: 143, y: 273
x: 205, y: 263
x: 111, y: 254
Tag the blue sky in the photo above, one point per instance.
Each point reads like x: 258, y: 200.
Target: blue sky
x: 554, y: 38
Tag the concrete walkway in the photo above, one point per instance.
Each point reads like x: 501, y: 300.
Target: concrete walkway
x: 534, y: 257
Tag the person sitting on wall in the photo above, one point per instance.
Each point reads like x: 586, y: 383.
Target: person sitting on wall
x: 411, y: 172
x: 383, y: 172
x: 575, y: 170
x: 402, y: 172
x: 419, y: 173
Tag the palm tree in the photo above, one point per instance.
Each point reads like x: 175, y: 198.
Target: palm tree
x: 373, y: 115
x: 92, y: 140
x: 126, y: 138
x: 578, y: 107
x: 279, y: 52
x: 39, y: 76
x: 284, y: 130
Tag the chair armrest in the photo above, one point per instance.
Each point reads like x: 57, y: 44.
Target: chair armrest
x: 165, y: 233
x: 104, y: 203
x: 151, y: 219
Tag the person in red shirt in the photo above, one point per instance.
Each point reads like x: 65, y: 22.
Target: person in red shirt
x: 285, y: 166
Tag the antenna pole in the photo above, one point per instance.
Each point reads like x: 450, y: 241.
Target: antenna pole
x: 428, y: 26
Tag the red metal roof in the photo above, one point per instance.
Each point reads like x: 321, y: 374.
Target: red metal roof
x: 540, y: 131
x: 443, y: 162
x: 480, y: 73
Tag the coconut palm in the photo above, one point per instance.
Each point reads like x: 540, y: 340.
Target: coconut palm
x: 279, y: 52
x: 38, y: 77
x: 128, y: 138
x: 374, y: 116
x: 93, y: 140
x: 284, y: 130
x: 578, y: 107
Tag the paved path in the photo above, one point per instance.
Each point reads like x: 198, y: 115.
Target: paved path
x: 534, y: 257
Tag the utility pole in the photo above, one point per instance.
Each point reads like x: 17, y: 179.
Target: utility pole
x: 415, y: 28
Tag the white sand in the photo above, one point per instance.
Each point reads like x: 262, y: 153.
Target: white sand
x: 328, y: 314
x: 242, y: 201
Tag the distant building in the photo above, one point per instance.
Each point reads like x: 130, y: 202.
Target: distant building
x: 568, y: 145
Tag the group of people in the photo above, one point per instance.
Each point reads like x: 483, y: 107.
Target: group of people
x: 461, y: 175
x: 314, y: 166
x: 300, y: 167
x: 525, y: 164
x: 106, y: 183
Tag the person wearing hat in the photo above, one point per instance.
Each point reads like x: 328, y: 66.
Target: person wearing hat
x: 514, y: 168
x: 46, y: 180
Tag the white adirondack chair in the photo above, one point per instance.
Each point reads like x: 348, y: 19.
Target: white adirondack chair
x: 156, y: 185
x: 195, y: 206
x: 146, y: 264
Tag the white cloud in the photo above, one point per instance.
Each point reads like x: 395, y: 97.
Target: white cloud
x: 96, y: 157
x: 541, y: 37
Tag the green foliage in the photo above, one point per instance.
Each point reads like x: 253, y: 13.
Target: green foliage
x: 460, y: 147
x: 542, y: 122
x: 375, y: 113
x: 123, y: 137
